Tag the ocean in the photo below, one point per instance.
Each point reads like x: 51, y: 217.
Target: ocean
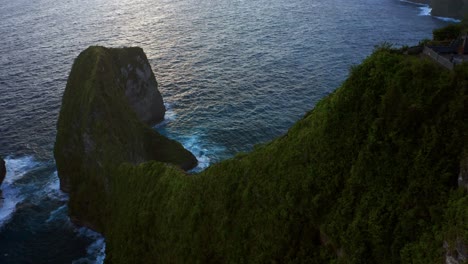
x: 232, y: 73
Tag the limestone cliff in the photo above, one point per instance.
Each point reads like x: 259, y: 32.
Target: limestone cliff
x: 368, y: 176
x: 110, y: 97
x: 2, y: 170
x: 141, y: 88
x: 449, y: 8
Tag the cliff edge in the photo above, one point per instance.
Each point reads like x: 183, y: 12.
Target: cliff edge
x: 370, y: 175
x: 110, y: 98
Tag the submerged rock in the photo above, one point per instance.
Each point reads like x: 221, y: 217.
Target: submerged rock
x: 110, y: 98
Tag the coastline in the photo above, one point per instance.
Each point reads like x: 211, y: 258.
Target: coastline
x: 417, y: 2
x: 426, y: 10
x: 180, y: 92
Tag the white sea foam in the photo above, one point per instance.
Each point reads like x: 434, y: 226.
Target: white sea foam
x: 425, y: 10
x: 11, y: 198
x: 57, y: 213
x: 16, y: 169
x: 203, y: 151
x: 448, y: 19
x: 193, y: 145
x: 169, y: 116
x: 96, y: 251
x: 53, y: 191
x: 413, y: 3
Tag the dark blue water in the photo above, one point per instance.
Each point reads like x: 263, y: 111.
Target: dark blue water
x: 233, y: 74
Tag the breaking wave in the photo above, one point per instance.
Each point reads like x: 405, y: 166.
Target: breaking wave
x: 96, y: 251
x: 17, y: 168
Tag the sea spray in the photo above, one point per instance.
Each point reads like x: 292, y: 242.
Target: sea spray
x: 194, y: 145
x: 425, y: 11
x: 448, y: 19
x: 413, y: 3
x: 53, y: 189
x: 17, y: 168
x: 204, y: 151
x: 96, y: 251
x: 30, y: 181
x: 168, y: 117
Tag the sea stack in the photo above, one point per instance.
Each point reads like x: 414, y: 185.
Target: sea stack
x: 109, y: 102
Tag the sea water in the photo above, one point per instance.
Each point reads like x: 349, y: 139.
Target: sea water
x: 233, y: 73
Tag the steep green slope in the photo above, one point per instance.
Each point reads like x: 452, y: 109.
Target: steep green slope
x: 368, y: 176
x: 98, y: 128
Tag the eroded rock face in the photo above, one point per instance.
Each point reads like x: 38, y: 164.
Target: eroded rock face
x: 457, y: 253
x: 110, y: 98
x: 141, y: 88
x: 449, y: 8
x: 2, y: 170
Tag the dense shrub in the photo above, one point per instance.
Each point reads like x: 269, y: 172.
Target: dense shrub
x: 447, y: 33
x: 368, y: 176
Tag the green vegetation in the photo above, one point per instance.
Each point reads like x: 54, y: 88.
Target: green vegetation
x: 368, y: 176
x: 97, y: 129
x: 449, y: 32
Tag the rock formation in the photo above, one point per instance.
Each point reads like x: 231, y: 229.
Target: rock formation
x: 141, y: 88
x: 457, y: 253
x: 449, y: 8
x: 110, y: 98
x: 374, y: 167
x: 2, y: 170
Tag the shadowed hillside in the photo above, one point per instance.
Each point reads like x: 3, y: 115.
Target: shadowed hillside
x: 368, y: 176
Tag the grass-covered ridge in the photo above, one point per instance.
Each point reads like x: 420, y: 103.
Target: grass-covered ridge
x: 98, y: 129
x: 368, y: 176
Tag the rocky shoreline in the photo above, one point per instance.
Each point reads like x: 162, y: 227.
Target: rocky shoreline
x: 456, y: 9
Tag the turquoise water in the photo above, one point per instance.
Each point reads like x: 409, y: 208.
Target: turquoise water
x: 233, y: 74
